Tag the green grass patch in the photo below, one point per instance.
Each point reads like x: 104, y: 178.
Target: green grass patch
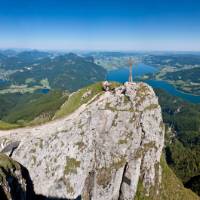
x: 71, y: 165
x: 77, y: 99
x: 7, y: 126
x: 29, y: 109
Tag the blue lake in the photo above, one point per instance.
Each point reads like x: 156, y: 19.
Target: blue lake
x: 3, y: 82
x: 121, y: 75
x: 43, y: 91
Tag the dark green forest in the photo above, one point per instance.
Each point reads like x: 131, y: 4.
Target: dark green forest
x: 182, y: 149
x: 21, y: 109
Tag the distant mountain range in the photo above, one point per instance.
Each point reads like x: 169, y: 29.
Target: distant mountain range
x: 33, y: 69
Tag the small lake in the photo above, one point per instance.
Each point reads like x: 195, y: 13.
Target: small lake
x: 43, y: 91
x: 121, y: 75
x: 3, y: 82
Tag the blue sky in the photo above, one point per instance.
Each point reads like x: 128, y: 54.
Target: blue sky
x: 100, y: 24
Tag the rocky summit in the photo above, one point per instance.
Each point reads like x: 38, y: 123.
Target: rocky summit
x: 109, y: 148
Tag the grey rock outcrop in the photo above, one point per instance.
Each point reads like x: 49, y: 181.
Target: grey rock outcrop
x: 15, y: 182
x: 100, y: 151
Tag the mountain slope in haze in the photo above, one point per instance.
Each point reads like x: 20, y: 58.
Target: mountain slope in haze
x: 108, y: 148
x: 34, y: 69
x: 176, y: 60
x: 186, y: 80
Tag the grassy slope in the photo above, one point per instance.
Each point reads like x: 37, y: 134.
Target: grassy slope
x: 171, y: 188
x: 76, y: 99
x: 35, y: 109
x: 7, y: 126
x: 32, y: 109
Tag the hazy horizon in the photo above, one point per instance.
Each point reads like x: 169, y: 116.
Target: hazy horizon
x: 102, y: 50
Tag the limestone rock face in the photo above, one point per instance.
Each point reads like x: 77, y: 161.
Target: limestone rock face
x: 100, y: 151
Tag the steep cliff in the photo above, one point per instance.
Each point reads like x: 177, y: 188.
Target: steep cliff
x: 15, y: 182
x: 109, y: 148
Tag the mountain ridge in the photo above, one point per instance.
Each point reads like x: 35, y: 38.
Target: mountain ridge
x: 105, y: 149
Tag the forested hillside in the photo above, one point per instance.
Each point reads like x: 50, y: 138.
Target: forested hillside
x: 34, y: 84
x: 32, y: 70
x: 29, y: 109
x: 182, y: 138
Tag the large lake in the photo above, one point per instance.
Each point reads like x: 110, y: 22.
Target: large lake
x: 121, y: 75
